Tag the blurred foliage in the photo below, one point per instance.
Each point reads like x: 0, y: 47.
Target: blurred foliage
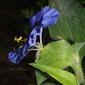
x: 82, y: 1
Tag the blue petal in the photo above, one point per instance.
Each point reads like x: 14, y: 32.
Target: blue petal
x: 11, y: 55
x: 32, y: 40
x: 50, y: 12
x: 54, y: 13
x: 45, y: 13
x: 38, y: 17
x: 45, y: 9
x: 25, y: 49
x: 49, y: 21
x: 33, y: 21
x: 33, y: 35
x: 14, y: 57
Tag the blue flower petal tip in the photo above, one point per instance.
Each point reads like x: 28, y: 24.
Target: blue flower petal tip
x: 14, y: 57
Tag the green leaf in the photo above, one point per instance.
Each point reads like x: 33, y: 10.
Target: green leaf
x: 40, y: 77
x: 58, y: 54
x: 71, y: 24
x: 79, y: 50
x: 62, y: 76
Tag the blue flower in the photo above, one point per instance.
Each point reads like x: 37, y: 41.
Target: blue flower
x: 16, y: 56
x: 46, y: 17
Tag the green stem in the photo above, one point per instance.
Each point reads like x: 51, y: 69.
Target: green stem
x: 79, y: 73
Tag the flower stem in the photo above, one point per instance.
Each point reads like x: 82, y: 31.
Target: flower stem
x: 41, y: 31
x: 79, y: 73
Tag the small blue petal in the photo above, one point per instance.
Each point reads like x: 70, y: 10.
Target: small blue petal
x: 45, y: 9
x: 33, y: 21
x: 48, y: 21
x: 55, y: 13
x: 25, y: 49
x: 13, y: 57
x: 32, y: 40
x: 36, y: 18
x: 49, y: 13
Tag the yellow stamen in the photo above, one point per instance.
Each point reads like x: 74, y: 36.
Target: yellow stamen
x: 18, y: 40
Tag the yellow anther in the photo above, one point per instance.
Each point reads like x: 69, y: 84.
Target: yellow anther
x: 16, y: 39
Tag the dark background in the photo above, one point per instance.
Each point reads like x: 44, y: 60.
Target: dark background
x: 14, y: 21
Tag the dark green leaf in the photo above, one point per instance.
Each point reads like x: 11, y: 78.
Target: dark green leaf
x: 71, y: 24
x: 82, y: 1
